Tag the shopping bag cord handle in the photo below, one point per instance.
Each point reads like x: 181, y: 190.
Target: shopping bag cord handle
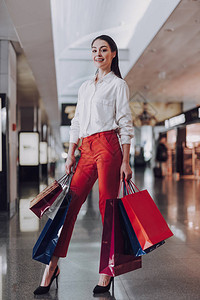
x: 132, y: 184
x: 128, y: 186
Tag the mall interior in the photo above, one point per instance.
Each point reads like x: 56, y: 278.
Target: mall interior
x: 45, y: 56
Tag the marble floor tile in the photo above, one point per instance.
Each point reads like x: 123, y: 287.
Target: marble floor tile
x: 171, y: 272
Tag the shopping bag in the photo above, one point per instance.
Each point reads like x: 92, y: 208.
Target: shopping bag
x: 116, y: 253
x: 47, y: 241
x: 46, y: 198
x: 147, y: 222
x: 52, y: 210
x: 137, y: 249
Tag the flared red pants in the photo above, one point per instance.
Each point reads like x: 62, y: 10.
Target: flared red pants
x: 101, y: 158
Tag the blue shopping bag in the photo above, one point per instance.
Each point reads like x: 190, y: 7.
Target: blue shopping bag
x: 137, y: 249
x: 47, y: 241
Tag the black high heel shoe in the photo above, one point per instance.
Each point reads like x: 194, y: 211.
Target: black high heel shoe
x: 103, y: 289
x: 44, y: 289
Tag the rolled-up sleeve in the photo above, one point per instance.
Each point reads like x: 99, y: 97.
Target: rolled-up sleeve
x: 75, y: 125
x: 123, y: 114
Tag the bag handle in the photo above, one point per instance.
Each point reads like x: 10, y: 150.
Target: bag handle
x: 65, y: 179
x: 128, y: 187
x: 120, y: 186
x: 133, y: 186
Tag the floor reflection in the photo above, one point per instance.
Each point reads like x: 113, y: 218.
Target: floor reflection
x: 171, y: 272
x: 105, y: 296
x: 28, y: 222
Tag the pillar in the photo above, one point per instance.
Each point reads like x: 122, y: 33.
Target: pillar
x: 8, y: 87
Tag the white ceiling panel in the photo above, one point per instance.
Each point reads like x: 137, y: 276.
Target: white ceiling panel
x: 7, y: 30
x: 169, y: 68
x: 131, y: 23
x: 24, y: 12
x: 32, y: 22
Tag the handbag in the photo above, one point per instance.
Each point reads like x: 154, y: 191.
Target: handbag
x: 46, y: 198
x: 47, y: 241
x: 145, y: 225
x: 116, y: 252
x: 157, y: 172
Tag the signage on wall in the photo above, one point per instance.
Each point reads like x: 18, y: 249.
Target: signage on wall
x: 185, y: 118
x: 43, y: 153
x: 191, y: 115
x: 68, y: 111
x: 177, y: 120
x: 29, y: 148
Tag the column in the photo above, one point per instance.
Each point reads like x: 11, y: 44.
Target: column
x: 8, y: 87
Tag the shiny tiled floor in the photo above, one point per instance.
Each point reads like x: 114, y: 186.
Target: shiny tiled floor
x: 171, y: 272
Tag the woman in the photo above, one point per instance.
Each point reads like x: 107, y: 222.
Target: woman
x: 102, y: 111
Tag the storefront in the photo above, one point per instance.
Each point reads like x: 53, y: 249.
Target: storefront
x: 191, y: 157
x: 171, y: 145
x: 183, y: 141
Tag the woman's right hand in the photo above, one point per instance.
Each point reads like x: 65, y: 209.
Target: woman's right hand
x: 70, y: 164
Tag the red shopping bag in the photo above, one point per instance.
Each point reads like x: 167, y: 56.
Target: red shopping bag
x: 147, y: 222
x: 116, y: 252
x: 41, y: 203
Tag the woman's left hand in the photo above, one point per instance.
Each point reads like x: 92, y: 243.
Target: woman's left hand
x: 125, y: 171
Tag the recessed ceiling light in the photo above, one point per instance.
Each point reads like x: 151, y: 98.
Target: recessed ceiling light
x: 162, y: 75
x: 153, y: 50
x: 169, y: 29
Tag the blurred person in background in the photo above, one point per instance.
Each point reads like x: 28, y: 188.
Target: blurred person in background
x: 161, y: 157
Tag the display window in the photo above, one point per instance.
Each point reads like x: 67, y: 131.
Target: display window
x: 171, y: 138
x: 193, y: 135
x: 29, y: 148
x: 192, y: 150
x: 43, y: 153
x: 171, y: 146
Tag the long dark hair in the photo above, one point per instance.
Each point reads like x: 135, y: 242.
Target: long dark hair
x: 113, y: 47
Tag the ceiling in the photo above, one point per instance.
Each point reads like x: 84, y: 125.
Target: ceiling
x: 131, y: 23
x: 159, y: 44
x: 159, y: 47
x: 169, y: 68
x: 28, y: 25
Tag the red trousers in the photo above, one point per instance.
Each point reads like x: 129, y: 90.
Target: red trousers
x: 101, y: 158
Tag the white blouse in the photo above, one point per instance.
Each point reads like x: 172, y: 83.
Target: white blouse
x: 102, y: 106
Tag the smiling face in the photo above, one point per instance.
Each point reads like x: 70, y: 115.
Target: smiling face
x: 102, y: 55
